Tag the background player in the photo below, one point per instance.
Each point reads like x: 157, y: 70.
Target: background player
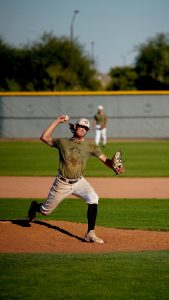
x: 73, y: 155
x: 100, y: 125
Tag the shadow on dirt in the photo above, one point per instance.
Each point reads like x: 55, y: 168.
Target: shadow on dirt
x: 25, y: 223
x: 22, y: 223
x: 59, y: 229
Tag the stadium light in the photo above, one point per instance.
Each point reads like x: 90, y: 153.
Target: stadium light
x: 72, y: 25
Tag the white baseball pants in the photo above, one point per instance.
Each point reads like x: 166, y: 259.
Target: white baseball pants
x: 60, y: 190
x: 101, y: 134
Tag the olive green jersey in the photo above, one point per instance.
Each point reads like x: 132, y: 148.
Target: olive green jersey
x: 73, y: 156
x: 100, y: 119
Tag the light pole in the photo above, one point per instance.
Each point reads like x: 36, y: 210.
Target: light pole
x: 123, y: 60
x: 92, y: 45
x: 72, y: 38
x: 72, y: 24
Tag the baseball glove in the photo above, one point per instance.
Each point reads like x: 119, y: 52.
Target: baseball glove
x: 117, y: 163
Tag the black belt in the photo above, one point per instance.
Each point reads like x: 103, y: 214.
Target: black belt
x: 69, y: 180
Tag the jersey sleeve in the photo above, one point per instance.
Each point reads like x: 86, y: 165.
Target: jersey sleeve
x: 95, y: 117
x: 55, y: 142
x: 96, y: 151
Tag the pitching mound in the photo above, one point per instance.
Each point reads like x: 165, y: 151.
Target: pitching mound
x: 67, y: 237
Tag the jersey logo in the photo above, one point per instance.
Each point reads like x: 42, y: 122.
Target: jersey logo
x: 74, y: 158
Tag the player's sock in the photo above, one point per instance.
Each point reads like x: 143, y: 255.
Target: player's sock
x: 91, y: 215
x: 38, y: 207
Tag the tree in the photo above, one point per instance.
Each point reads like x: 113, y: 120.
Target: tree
x: 122, y: 78
x: 6, y: 69
x: 50, y: 64
x: 152, y: 63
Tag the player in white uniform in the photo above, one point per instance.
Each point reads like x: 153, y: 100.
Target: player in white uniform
x: 100, y: 124
x: 73, y: 155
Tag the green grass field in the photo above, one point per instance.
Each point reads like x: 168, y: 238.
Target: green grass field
x: 119, y: 276
x: 141, y: 159
x: 141, y: 275
x: 122, y: 213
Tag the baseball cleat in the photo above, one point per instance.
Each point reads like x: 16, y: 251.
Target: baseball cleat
x: 32, y: 211
x: 92, y: 238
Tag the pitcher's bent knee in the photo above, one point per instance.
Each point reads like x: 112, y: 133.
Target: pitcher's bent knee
x: 93, y: 198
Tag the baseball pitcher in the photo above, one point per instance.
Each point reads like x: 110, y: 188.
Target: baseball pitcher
x: 74, y: 153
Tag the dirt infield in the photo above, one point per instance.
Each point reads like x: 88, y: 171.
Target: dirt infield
x: 114, y: 187
x: 62, y: 237
x: 67, y: 237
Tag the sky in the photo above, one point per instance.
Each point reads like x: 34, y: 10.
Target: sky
x: 109, y: 30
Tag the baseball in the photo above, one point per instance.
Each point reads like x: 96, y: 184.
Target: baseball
x: 66, y: 118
